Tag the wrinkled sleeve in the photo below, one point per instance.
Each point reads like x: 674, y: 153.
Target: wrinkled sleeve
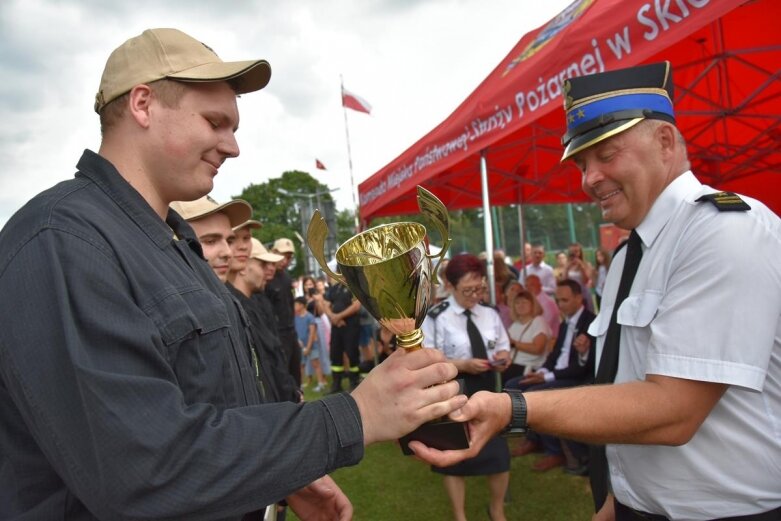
x: 87, y: 371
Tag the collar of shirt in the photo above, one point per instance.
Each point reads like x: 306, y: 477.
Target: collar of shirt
x: 573, y: 320
x: 101, y: 172
x: 456, y: 307
x: 682, y: 188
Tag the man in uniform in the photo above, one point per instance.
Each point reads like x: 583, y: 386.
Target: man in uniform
x: 126, y: 388
x: 279, y: 291
x: 342, y: 309
x: 692, y: 342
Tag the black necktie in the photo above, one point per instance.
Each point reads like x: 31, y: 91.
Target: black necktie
x: 608, y: 363
x: 475, y: 338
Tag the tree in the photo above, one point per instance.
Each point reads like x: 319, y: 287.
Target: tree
x: 284, y: 205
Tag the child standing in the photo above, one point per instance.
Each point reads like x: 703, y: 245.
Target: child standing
x: 306, y: 329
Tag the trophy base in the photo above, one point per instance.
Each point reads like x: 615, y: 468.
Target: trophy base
x: 440, y: 434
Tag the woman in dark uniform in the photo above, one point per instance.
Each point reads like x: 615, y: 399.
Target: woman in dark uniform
x: 478, y: 350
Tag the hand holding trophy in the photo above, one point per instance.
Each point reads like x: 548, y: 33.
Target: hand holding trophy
x: 389, y: 270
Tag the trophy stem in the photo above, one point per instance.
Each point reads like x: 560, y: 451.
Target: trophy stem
x: 410, y: 341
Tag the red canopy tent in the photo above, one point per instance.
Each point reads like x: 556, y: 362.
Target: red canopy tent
x: 726, y: 57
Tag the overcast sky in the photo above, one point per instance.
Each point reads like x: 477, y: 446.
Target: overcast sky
x: 414, y: 61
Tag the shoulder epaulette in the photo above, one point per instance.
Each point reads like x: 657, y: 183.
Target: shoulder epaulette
x: 486, y: 304
x: 437, y: 310
x: 726, y: 202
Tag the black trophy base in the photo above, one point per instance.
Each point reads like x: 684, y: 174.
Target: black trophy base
x: 440, y: 434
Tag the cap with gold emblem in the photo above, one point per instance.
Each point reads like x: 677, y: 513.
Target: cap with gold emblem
x: 602, y: 105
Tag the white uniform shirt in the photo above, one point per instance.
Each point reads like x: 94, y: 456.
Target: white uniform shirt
x: 705, y: 305
x: 448, y: 333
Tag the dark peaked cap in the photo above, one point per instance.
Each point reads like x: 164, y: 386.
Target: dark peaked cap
x: 602, y: 105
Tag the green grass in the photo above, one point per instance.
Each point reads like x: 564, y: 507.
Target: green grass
x: 387, y: 486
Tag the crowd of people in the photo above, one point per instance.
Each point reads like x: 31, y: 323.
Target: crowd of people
x: 153, y: 361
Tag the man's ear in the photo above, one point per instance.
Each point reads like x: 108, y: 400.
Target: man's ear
x: 139, y: 102
x: 667, y: 138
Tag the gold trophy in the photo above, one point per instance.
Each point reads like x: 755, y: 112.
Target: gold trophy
x: 389, y: 270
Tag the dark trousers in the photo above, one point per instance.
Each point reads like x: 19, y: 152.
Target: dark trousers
x: 624, y: 513
x: 344, y: 340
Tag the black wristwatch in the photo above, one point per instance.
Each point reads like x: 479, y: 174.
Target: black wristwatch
x: 517, y: 424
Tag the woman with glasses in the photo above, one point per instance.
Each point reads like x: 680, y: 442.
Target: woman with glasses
x: 472, y: 336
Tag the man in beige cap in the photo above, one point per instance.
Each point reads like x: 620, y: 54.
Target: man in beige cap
x: 279, y: 291
x: 213, y: 224
x: 128, y: 389
x: 242, y: 246
x: 248, y: 282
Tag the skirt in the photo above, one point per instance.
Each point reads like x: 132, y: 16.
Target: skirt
x: 493, y: 459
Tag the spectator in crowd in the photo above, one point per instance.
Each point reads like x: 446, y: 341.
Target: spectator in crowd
x: 523, y: 260
x: 539, y: 267
x: 310, y: 289
x: 472, y: 336
x: 529, y: 336
x: 306, y: 330
x: 560, y: 269
x: 280, y: 293
x: 133, y: 393
x: 550, y: 310
x: 686, y: 409
x: 500, y: 254
x: 341, y: 308
x: 602, y: 265
x: 580, y: 270
x: 571, y: 363
x: 502, y: 271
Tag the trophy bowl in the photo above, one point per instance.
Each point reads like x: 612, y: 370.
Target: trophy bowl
x: 389, y: 270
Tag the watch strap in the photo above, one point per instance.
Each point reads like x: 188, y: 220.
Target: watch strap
x: 517, y: 424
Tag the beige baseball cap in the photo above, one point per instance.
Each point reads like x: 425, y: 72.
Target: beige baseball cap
x: 252, y: 224
x: 283, y: 245
x: 169, y: 53
x: 261, y: 253
x: 238, y: 210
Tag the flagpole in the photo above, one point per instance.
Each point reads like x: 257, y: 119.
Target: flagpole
x: 349, y: 155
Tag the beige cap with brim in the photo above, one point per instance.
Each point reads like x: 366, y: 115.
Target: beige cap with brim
x: 169, y: 53
x: 238, y: 210
x: 252, y: 224
x: 261, y: 253
x: 283, y: 245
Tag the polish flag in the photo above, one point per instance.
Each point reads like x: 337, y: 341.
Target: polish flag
x: 355, y: 102
x: 320, y: 165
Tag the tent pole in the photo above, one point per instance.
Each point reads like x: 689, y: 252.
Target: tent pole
x: 522, y: 234
x: 487, y: 227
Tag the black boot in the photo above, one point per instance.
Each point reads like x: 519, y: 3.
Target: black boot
x: 354, y: 380
x: 336, y: 384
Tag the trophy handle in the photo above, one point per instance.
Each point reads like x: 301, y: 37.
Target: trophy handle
x: 432, y: 207
x: 315, y: 239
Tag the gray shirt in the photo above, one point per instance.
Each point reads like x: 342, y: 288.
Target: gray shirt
x: 126, y: 385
